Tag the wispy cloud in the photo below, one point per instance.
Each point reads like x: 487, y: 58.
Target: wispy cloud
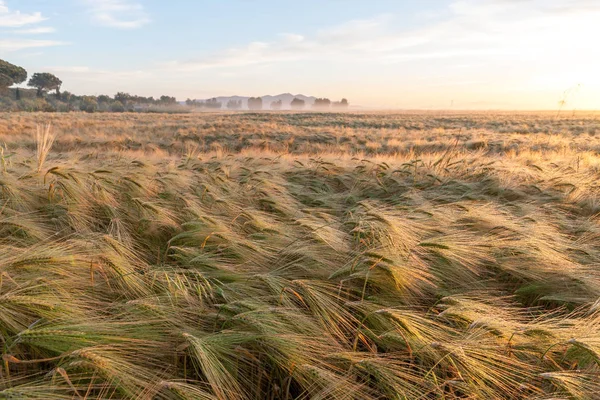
x: 347, y: 37
x: 15, y: 19
x: 20, y: 44
x: 473, y: 49
x: 473, y: 29
x: 35, y: 31
x: 120, y: 14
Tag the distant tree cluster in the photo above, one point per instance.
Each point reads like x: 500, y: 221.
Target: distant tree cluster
x: 276, y: 105
x: 255, y: 103
x: 297, y: 104
x: 127, y: 99
x: 234, y: 104
x: 341, y: 104
x: 32, y: 100
x: 322, y: 104
x: 210, y: 104
x: 46, y: 96
x: 326, y: 104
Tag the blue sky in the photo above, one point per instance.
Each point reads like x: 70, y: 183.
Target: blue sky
x: 379, y: 53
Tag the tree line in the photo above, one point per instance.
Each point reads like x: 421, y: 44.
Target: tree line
x: 257, y: 104
x: 14, y: 75
x: 46, y: 95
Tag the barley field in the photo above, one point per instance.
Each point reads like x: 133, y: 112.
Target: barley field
x: 300, y: 256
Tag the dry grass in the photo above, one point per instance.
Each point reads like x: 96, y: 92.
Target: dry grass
x: 284, y: 256
x: 44, y: 139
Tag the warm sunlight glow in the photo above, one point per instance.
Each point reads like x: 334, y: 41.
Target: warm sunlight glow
x: 293, y: 200
x: 446, y: 53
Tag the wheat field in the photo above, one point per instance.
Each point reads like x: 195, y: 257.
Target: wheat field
x: 300, y: 256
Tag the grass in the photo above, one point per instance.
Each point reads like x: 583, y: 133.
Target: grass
x: 44, y: 139
x: 296, y: 256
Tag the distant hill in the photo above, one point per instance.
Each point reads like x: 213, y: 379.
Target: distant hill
x: 286, y: 99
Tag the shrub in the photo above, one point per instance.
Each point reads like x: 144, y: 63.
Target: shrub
x: 117, y: 106
x: 89, y: 104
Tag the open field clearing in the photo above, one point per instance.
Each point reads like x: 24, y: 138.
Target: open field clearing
x: 296, y: 256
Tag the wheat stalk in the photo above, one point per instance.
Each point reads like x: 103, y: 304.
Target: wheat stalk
x: 44, y: 138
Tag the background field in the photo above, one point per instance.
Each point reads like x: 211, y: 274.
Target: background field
x: 314, y: 133
x: 302, y: 255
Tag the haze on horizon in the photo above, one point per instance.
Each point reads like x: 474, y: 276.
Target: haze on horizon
x: 437, y: 54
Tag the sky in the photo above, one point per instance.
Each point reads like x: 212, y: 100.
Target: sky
x: 408, y: 54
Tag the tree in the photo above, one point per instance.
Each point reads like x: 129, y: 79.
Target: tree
x: 68, y: 97
x: 5, y: 82
x: 195, y: 103
x: 43, y: 82
x: 11, y: 74
x: 341, y: 104
x: 104, y: 99
x: 234, y: 104
x: 276, y: 105
x: 124, y: 98
x: 166, y: 100
x: 322, y: 104
x: 89, y: 104
x: 255, y: 103
x: 117, y: 106
x: 212, y: 103
x: 297, y: 104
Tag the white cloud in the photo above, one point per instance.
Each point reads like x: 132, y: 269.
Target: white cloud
x: 15, y: 19
x: 476, y: 29
x: 121, y: 14
x: 20, y: 44
x: 476, y: 51
x: 35, y: 31
x: 290, y: 47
